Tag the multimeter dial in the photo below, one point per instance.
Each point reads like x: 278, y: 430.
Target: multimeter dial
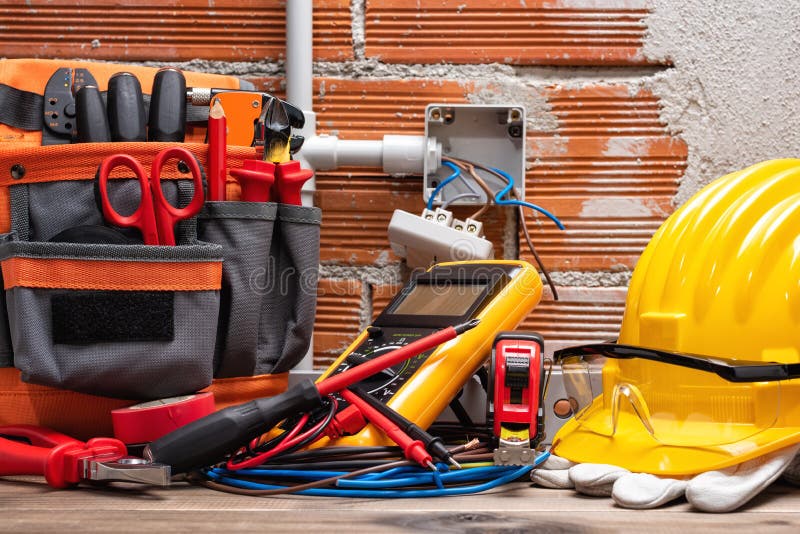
x: 385, y: 384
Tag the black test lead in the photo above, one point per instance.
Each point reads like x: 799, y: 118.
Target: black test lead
x: 434, y: 445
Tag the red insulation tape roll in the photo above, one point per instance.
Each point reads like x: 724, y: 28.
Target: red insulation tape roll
x: 148, y: 421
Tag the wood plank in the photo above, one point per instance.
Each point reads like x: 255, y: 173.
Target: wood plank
x: 29, y: 505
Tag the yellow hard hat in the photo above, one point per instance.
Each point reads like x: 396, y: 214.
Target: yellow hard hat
x: 703, y: 375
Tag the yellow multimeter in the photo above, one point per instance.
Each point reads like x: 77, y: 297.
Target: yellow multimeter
x: 500, y: 293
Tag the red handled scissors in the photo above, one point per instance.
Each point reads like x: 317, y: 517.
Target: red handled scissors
x: 155, y: 217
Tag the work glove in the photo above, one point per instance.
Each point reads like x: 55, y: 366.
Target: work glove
x: 714, y: 491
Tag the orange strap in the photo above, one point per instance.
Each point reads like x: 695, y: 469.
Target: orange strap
x: 80, y: 161
x: 110, y: 275
x: 31, y: 75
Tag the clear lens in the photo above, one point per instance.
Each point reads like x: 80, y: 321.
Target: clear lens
x: 676, y: 405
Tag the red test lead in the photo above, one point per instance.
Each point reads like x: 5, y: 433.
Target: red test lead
x: 413, y: 449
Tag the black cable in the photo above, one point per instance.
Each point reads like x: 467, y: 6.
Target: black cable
x: 461, y: 412
x: 536, y: 254
x: 483, y: 375
x: 337, y: 451
x: 332, y: 465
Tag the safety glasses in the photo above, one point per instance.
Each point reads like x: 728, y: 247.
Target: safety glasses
x: 680, y: 399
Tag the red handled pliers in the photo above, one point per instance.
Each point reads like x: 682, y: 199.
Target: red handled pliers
x: 275, y: 177
x: 65, y: 461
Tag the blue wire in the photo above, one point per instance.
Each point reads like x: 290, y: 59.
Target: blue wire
x: 372, y: 494
x: 422, y: 477
x: 498, y: 198
x: 443, y: 183
x: 503, y: 474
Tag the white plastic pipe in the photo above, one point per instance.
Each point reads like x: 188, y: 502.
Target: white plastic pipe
x: 395, y: 154
x: 299, y: 91
x: 299, y: 53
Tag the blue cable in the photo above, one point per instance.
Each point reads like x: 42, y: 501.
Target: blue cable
x: 367, y: 487
x: 443, y: 183
x: 373, y: 494
x: 498, y: 198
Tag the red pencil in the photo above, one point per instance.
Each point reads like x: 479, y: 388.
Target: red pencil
x: 217, y: 152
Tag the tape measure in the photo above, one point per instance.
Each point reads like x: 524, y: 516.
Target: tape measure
x: 500, y: 293
x: 514, y: 399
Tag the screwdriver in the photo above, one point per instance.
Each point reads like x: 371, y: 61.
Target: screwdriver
x: 90, y: 116
x: 433, y: 444
x: 167, y: 120
x: 126, y: 116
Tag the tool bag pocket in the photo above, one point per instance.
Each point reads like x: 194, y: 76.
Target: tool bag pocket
x: 244, y: 230
x: 289, y: 289
x: 123, y: 321
x: 268, y: 299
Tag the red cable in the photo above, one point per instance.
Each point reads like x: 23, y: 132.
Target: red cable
x: 287, y: 443
x: 233, y: 465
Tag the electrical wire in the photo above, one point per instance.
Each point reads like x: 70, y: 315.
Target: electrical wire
x: 473, y: 193
x: 509, y: 187
x: 458, y: 197
x: 469, y: 167
x: 443, y: 183
x: 394, y: 480
x: 536, y: 257
x: 292, y: 441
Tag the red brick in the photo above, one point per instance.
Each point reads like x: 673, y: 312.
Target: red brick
x: 134, y: 30
x: 611, y: 193
x: 604, y: 110
x: 338, y: 320
x: 369, y: 109
x: 535, y: 32
x: 582, y: 315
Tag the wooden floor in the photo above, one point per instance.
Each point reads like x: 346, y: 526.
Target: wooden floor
x: 28, y: 505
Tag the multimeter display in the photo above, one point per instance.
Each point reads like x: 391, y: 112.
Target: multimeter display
x: 430, y: 299
x: 499, y: 293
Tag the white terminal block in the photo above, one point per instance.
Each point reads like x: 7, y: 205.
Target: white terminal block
x: 423, y: 240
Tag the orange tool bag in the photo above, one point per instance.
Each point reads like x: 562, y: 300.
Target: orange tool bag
x: 88, y: 327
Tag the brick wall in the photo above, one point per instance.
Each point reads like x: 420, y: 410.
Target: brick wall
x: 598, y: 155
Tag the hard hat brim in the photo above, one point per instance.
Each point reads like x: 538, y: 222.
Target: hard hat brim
x: 637, y: 451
